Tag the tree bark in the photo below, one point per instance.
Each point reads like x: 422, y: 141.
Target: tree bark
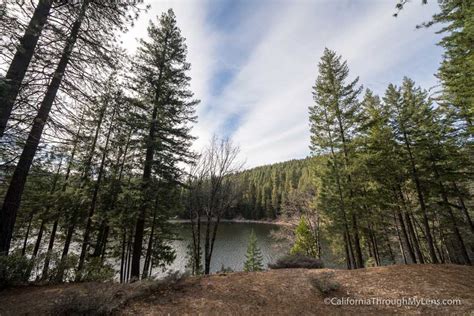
x: 85, y: 241
x: 400, y: 243
x: 122, y: 258
x: 25, y: 240
x: 406, y: 238
x: 15, y: 190
x: 38, y: 239
x: 414, y: 238
x: 421, y: 200
x: 147, y: 175
x: 149, y: 249
x: 19, y: 64
x: 50, y: 249
x: 463, y: 207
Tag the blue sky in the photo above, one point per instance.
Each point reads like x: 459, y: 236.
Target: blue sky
x: 254, y: 62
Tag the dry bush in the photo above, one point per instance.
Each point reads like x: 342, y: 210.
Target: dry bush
x: 325, y: 283
x: 297, y: 261
x: 105, y: 298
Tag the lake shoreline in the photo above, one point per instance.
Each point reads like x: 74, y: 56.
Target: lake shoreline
x: 237, y: 221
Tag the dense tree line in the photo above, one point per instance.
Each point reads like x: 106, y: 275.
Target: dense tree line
x: 397, y: 169
x: 93, y: 140
x: 264, y: 189
x: 93, y: 144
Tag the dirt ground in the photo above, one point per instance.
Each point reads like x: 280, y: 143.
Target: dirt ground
x: 274, y: 292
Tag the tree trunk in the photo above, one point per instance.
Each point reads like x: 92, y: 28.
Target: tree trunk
x: 104, y: 227
x: 149, y: 249
x: 122, y: 257
x: 129, y: 256
x: 350, y: 251
x: 457, y: 233
x: 386, y: 236
x: 400, y: 243
x: 207, y: 258
x: 406, y: 239
x: 421, y: 200
x: 25, y: 240
x: 140, y: 225
x: 213, y: 239
x: 348, y: 257
x: 414, y: 238
x: 38, y: 239
x: 411, y: 230
x: 104, y: 245
x: 373, y: 242
x: 359, y: 261
x: 463, y: 207
x: 19, y: 64
x: 50, y: 249
x: 17, y: 183
x: 85, y: 174
x: 147, y: 168
x: 358, y: 249
x: 85, y: 240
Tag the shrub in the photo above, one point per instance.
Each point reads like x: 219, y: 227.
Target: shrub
x: 14, y: 270
x: 107, y: 298
x: 66, y: 267
x: 254, y: 258
x: 98, y: 271
x: 370, y: 262
x: 324, y: 283
x: 297, y: 261
x: 225, y: 269
x: 306, y: 243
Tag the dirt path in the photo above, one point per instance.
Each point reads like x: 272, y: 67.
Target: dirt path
x: 276, y: 292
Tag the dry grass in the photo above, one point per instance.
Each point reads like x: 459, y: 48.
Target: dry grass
x: 292, y: 292
x: 274, y: 292
x: 88, y: 298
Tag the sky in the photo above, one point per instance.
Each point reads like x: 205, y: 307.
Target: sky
x: 254, y: 62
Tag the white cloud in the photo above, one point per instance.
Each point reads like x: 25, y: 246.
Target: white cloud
x: 273, y: 88
x: 201, y: 42
x: 273, y: 53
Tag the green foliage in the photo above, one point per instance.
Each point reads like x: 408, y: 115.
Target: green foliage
x: 457, y: 67
x: 192, y: 265
x: 395, y: 166
x: 370, y: 262
x: 265, y: 189
x: 306, y: 242
x: 254, y: 259
x: 15, y: 270
x: 97, y: 271
x: 335, y: 120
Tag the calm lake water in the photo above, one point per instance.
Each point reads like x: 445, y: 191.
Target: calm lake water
x: 230, y: 246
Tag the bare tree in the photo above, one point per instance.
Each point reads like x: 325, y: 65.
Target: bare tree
x: 299, y: 204
x: 211, y: 192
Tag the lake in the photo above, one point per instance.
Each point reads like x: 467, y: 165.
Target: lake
x: 230, y: 246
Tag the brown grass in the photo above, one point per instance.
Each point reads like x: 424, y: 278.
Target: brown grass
x: 275, y: 292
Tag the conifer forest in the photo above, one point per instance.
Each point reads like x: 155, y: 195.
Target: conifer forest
x: 101, y: 152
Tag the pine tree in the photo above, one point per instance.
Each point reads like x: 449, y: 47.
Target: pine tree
x: 306, y: 242
x: 254, y: 258
x: 407, y: 106
x: 19, y: 64
x: 457, y: 68
x: 162, y: 82
x: 334, y: 123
